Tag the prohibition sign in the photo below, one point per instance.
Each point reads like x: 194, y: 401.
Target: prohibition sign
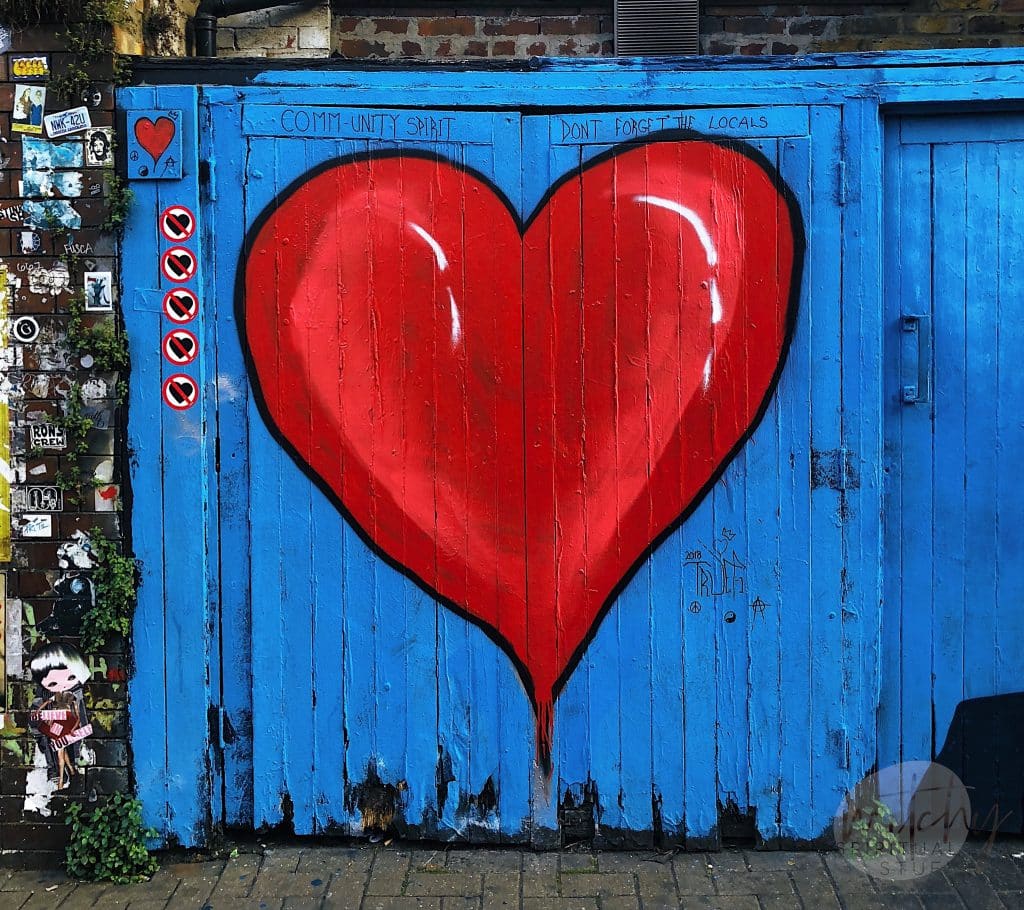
x: 180, y: 392
x: 180, y: 305
x: 177, y: 223
x: 178, y: 264
x: 181, y: 347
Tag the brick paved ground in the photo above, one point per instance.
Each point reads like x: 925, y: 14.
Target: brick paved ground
x: 413, y: 878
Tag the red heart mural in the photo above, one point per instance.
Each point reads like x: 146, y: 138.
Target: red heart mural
x: 155, y: 136
x: 516, y: 414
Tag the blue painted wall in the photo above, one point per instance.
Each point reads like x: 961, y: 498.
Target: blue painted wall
x: 284, y: 671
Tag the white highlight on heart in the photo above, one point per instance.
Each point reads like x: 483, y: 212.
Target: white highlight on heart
x: 716, y: 303
x: 456, y: 320
x: 689, y: 215
x: 442, y: 260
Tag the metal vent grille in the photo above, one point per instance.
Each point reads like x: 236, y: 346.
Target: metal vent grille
x: 655, y: 27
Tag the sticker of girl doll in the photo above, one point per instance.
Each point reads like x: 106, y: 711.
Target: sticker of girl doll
x: 57, y: 715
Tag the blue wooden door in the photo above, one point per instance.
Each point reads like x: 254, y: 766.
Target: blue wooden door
x: 712, y: 696
x: 954, y: 445
x: 711, y: 701
x: 344, y: 684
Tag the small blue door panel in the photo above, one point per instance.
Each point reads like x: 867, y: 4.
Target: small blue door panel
x: 954, y: 630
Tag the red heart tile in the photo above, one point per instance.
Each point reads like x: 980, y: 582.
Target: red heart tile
x: 155, y: 136
x: 516, y: 414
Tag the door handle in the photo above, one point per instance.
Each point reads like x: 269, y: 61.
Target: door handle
x: 921, y: 327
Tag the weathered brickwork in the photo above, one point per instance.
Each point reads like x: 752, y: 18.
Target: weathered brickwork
x: 53, y: 199
x: 397, y: 32
x: 921, y: 24
x: 394, y: 33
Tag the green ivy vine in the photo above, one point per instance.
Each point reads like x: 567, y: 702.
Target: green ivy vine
x: 115, y: 581
x: 108, y: 844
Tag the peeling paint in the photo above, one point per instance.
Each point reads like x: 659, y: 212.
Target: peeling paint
x: 39, y: 789
x: 76, y: 553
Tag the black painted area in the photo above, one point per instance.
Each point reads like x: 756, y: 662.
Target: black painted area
x: 985, y: 747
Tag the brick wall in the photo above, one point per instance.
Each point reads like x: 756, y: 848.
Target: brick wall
x: 394, y: 33
x: 919, y: 24
x: 379, y: 33
x: 47, y: 578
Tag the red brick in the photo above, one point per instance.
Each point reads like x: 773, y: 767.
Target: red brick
x: 537, y: 49
x: 411, y: 49
x: 392, y: 26
x: 570, y: 25
x: 503, y: 49
x: 752, y: 50
x: 989, y: 25
x: 778, y: 47
x: 341, y: 24
x: 447, y: 25
x: 360, y: 47
x: 511, y: 27
x: 475, y: 49
x: 808, y: 26
x: 753, y: 25
x: 444, y: 49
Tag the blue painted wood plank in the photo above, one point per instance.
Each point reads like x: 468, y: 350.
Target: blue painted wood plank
x: 185, y: 483
x: 268, y: 509
x: 981, y: 530
x: 947, y: 244
x: 795, y: 523
x: 232, y: 427
x: 863, y: 407
x: 547, y: 786
x: 761, y: 606
x: 916, y: 496
x: 824, y: 225
x: 890, y: 705
x: 141, y: 309
x: 1009, y: 448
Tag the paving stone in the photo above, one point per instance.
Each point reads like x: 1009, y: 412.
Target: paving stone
x: 1002, y: 873
x: 874, y: 901
x: 656, y: 884
x: 376, y: 902
x: 726, y: 902
x: 578, y: 862
x: 753, y: 883
x: 597, y: 884
x: 630, y: 862
x: 288, y: 884
x: 460, y: 903
x: 301, y: 903
x: 501, y: 890
x: 781, y: 861
x: 485, y: 860
x: 387, y: 876
x: 142, y: 904
x: 560, y: 903
x: 626, y: 903
x: 978, y: 894
x: 455, y: 883
x: 345, y: 891
x: 336, y: 860
x: 779, y: 901
x: 85, y: 896
x: 238, y: 876
x: 33, y: 879
x: 816, y: 889
x: 941, y: 902
x: 284, y: 859
x: 540, y: 875
x: 727, y: 862
x: 47, y: 900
